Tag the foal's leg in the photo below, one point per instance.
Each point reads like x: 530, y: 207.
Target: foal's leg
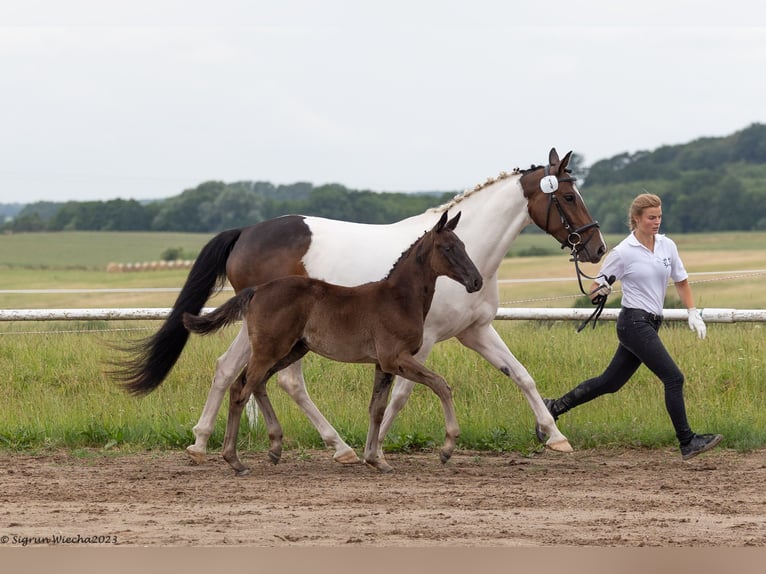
x: 399, y: 396
x: 292, y: 382
x: 232, y: 430
x: 271, y: 420
x: 410, y: 368
x: 485, y: 340
x: 227, y: 367
x: 373, y: 455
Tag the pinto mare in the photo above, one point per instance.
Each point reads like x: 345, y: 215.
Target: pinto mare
x: 350, y: 254
x: 379, y: 322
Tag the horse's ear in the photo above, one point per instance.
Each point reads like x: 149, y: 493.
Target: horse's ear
x: 553, y: 157
x: 439, y: 226
x: 565, y: 162
x: 452, y: 223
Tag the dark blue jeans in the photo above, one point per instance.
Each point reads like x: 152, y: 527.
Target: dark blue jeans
x: 639, y: 343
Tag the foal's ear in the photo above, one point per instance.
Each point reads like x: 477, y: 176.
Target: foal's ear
x: 440, y: 225
x: 452, y: 223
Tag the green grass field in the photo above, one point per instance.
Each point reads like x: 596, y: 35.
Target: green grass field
x: 54, y: 392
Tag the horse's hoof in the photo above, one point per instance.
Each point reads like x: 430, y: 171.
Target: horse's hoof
x: 560, y: 446
x: 445, y: 456
x: 346, y: 457
x: 196, y: 456
x: 275, y: 457
x: 242, y: 472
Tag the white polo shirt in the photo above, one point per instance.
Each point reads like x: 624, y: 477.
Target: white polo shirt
x: 644, y: 275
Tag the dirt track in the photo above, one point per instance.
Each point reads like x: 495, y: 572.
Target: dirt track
x: 589, y: 498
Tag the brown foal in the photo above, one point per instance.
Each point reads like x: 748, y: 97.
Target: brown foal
x: 379, y: 322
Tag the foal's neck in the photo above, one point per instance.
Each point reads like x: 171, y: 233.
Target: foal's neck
x: 413, y: 280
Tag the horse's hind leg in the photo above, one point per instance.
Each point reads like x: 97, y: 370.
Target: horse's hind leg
x: 372, y: 453
x: 228, y: 366
x: 292, y: 382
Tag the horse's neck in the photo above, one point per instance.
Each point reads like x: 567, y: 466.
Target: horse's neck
x: 492, y: 217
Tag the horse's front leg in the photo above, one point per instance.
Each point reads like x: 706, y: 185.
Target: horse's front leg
x: 227, y: 367
x: 292, y: 382
x: 373, y: 455
x: 485, y: 340
x: 410, y: 368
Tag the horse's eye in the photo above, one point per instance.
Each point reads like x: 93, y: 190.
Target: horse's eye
x: 569, y: 197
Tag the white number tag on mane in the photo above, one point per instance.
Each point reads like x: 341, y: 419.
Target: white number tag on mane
x: 549, y: 184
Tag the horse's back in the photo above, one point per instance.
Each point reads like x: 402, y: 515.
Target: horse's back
x: 268, y: 250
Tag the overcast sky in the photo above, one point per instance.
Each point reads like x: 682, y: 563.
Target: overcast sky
x: 145, y: 98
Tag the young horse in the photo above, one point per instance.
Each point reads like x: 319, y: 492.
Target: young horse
x: 351, y: 254
x: 379, y: 322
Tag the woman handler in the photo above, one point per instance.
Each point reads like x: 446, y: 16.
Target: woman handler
x: 643, y: 262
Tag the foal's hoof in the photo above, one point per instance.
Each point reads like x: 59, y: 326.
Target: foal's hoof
x: 346, y: 457
x: 542, y: 436
x: 444, y: 456
x: 196, y: 456
x: 560, y: 446
x: 242, y: 472
x: 380, y: 465
x: 275, y: 457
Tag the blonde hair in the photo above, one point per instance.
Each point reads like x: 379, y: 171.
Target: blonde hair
x: 641, y: 202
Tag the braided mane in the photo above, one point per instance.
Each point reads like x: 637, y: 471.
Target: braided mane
x: 478, y: 187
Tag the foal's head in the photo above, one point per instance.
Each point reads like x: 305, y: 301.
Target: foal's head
x: 443, y: 251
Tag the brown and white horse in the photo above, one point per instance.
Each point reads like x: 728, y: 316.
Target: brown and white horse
x: 379, y: 322
x: 350, y: 254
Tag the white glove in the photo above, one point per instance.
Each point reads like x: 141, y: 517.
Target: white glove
x: 603, y: 289
x: 696, y: 323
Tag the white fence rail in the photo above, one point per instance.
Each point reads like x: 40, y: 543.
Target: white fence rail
x: 710, y: 315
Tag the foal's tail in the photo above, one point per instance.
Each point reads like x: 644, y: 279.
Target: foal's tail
x: 156, y: 355
x: 228, y: 313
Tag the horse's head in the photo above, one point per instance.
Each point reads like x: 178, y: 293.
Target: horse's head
x: 556, y: 207
x: 449, y: 257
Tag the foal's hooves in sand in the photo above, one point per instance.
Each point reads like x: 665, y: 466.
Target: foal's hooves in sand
x: 381, y: 466
x: 560, y: 446
x: 347, y: 457
x: 275, y: 457
x: 196, y: 456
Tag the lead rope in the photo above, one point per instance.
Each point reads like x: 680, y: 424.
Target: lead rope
x: 599, y: 301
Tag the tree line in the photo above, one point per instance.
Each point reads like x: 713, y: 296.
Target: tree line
x: 710, y: 184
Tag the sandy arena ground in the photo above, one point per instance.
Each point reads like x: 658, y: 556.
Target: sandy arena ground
x: 601, y: 498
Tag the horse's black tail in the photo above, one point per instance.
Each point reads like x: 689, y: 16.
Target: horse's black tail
x: 231, y: 311
x: 156, y: 355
